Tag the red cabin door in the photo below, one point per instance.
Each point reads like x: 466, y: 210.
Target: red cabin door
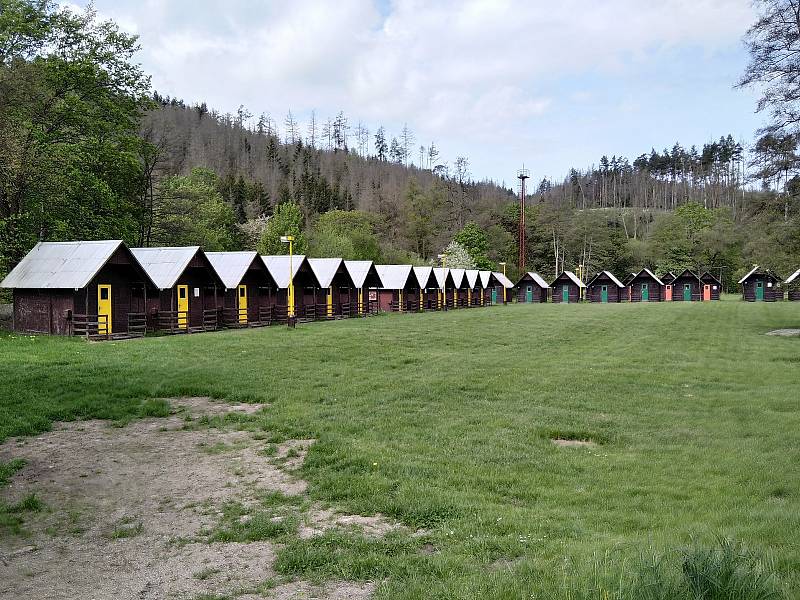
x: 706, y: 293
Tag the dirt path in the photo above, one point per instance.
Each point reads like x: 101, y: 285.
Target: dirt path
x: 127, y: 504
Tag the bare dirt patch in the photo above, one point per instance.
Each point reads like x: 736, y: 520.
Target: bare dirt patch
x: 318, y: 520
x: 127, y: 508
x: 562, y: 443
x: 785, y: 332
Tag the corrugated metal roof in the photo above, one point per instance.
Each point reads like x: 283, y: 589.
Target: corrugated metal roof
x: 164, y: 265
x: 793, y: 276
x: 485, y: 276
x: 278, y: 267
x: 538, y: 279
x: 394, y: 277
x: 572, y: 277
x: 441, y: 276
x: 504, y: 281
x: 458, y: 277
x: 358, y: 269
x: 61, y: 265
x: 231, y: 266
x: 423, y: 274
x: 472, y: 277
x: 325, y: 269
x: 753, y: 270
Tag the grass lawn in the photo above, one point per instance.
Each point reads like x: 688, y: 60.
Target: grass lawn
x: 444, y: 422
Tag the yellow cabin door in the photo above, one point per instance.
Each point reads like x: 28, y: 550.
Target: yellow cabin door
x: 104, y: 309
x: 242, y: 303
x: 183, y: 306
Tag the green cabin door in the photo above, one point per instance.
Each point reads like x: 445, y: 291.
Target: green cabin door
x: 494, y: 295
x: 565, y: 293
x: 529, y: 294
x: 645, y: 292
x: 604, y: 294
x: 759, y: 291
x: 687, y: 292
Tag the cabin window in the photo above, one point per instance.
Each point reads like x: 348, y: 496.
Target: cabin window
x: 242, y: 292
x: 713, y: 287
x: 769, y: 284
x: 196, y: 292
x: 103, y: 293
x: 181, y: 293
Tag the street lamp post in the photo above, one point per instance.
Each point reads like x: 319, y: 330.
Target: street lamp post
x: 290, y: 316
x: 502, y: 264
x: 443, y: 258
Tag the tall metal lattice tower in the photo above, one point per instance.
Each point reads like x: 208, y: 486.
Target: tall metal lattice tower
x: 522, y: 175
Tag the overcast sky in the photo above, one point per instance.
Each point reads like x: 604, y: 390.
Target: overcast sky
x: 552, y: 84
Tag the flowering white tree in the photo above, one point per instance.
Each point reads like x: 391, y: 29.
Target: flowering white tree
x: 458, y: 257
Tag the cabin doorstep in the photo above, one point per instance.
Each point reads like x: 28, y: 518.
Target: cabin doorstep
x: 761, y: 285
x: 605, y: 288
x: 567, y: 288
x: 92, y: 288
x: 532, y: 287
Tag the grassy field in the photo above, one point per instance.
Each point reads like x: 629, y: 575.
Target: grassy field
x: 444, y: 422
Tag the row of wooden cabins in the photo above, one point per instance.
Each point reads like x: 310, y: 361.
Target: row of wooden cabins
x: 105, y: 289
x: 645, y: 286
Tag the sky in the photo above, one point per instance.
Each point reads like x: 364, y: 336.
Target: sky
x: 548, y: 84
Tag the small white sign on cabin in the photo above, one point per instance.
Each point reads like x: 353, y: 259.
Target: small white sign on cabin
x: 196, y: 292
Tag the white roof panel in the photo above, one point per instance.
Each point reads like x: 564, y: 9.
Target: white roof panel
x: 538, y: 279
x: 610, y: 275
x: 358, y: 269
x: 504, y: 281
x: 422, y: 274
x: 278, y: 267
x: 653, y: 275
x: 164, y: 265
x: 441, y: 276
x: 472, y: 278
x: 484, y: 278
x: 793, y: 276
x: 325, y: 269
x: 61, y: 265
x: 458, y: 277
x: 753, y: 270
x: 394, y: 277
x: 231, y: 266
x: 574, y: 278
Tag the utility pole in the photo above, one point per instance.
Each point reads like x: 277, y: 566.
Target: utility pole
x: 522, y: 175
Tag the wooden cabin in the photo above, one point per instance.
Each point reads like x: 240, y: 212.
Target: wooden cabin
x: 428, y: 288
x: 793, y: 287
x: 761, y: 285
x: 486, y: 283
x: 249, y: 289
x: 667, y: 278
x: 364, y: 276
x: 605, y: 288
x: 532, y: 287
x: 446, y: 287
x: 712, y: 287
x: 626, y: 297
x: 458, y: 298
x: 295, y: 269
x: 332, y: 297
x: 473, y: 288
x: 397, y: 284
x: 189, y: 292
x: 687, y: 287
x: 93, y: 288
x: 566, y: 288
x: 646, y: 287
x: 500, y: 289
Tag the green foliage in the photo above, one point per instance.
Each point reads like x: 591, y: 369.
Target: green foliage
x: 345, y: 234
x: 423, y: 219
x: 190, y: 211
x: 287, y: 220
x: 473, y: 239
x: 458, y: 257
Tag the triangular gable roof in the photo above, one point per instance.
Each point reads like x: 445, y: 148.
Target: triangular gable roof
x: 458, y: 277
x: 166, y: 264
x: 628, y: 278
x: 278, y: 267
x: 325, y: 269
x: 231, y: 266
x: 538, y: 279
x: 472, y: 277
x: 687, y: 273
x: 504, y: 281
x: 668, y: 276
x: 572, y: 277
x: 793, y: 276
x: 358, y: 270
x: 423, y: 275
x: 651, y: 274
x: 441, y: 275
x: 753, y: 270
x: 394, y: 277
x: 485, y: 278
x: 610, y: 275
x: 63, y: 265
